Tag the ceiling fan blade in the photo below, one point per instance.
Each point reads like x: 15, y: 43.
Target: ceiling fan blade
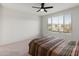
x: 45, y: 10
x: 38, y: 10
x: 48, y: 7
x: 36, y: 7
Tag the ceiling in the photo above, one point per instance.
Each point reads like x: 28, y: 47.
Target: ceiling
x: 27, y: 7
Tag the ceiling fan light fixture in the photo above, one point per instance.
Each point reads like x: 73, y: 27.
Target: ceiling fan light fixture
x: 42, y: 10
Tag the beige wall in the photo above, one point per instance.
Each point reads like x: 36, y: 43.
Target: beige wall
x: 74, y: 35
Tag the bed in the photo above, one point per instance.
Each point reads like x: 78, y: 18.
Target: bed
x: 51, y: 46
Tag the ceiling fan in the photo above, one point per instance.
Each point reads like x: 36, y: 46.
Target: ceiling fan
x: 42, y: 8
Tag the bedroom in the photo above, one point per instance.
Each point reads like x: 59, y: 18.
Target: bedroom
x: 20, y: 24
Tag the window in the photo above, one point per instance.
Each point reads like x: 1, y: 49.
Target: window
x: 49, y: 24
x: 60, y: 23
x: 54, y: 23
x: 67, y: 23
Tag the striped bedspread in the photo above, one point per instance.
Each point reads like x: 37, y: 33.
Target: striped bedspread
x: 53, y: 47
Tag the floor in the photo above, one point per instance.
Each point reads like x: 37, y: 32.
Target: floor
x: 15, y: 49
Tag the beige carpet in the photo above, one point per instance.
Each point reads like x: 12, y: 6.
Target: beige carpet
x: 15, y: 49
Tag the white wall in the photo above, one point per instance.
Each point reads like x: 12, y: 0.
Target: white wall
x: 18, y: 26
x: 74, y: 35
x: 0, y: 23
